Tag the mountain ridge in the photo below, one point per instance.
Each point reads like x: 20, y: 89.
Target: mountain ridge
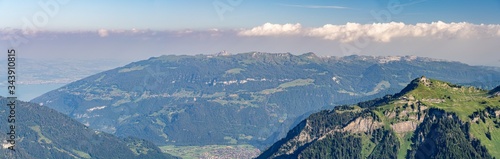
x: 423, y: 104
x: 310, y: 56
x: 495, y: 91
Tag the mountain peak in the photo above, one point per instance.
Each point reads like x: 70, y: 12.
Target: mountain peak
x: 223, y: 53
x: 425, y: 81
x: 422, y: 79
x: 309, y: 54
x: 414, y: 84
x: 419, y: 88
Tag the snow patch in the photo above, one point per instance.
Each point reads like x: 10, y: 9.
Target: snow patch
x: 410, y: 58
x: 388, y: 59
x: 6, y: 145
x: 95, y: 108
x: 336, y: 79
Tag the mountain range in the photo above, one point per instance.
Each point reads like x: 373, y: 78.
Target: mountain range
x: 248, y: 98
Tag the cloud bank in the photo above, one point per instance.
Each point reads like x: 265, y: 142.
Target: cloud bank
x: 102, y: 32
x: 380, y: 32
x: 269, y: 29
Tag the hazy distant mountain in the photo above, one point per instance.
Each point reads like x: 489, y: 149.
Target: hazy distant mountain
x: 491, y: 68
x: 237, y: 99
x: 428, y: 119
x: 45, y: 133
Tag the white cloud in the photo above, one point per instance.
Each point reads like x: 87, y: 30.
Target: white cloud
x: 103, y: 32
x: 380, y: 32
x: 269, y: 29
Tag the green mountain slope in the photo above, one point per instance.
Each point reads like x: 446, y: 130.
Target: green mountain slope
x: 44, y: 133
x: 427, y: 119
x: 249, y: 98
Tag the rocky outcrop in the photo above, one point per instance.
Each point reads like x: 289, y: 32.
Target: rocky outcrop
x: 362, y: 125
x: 405, y: 126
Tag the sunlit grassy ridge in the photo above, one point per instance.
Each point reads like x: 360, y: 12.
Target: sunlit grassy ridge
x: 460, y: 121
x: 460, y: 100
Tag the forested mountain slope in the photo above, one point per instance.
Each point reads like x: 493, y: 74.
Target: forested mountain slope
x: 45, y: 133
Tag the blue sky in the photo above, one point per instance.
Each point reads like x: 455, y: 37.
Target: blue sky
x: 201, y: 14
x: 458, y: 30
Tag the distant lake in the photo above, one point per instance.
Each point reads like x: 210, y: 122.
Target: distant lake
x: 30, y: 91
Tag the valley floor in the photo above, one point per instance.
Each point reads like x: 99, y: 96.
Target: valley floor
x: 212, y: 151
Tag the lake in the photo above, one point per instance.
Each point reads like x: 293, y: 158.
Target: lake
x: 30, y: 91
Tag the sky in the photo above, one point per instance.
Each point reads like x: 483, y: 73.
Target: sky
x: 456, y: 30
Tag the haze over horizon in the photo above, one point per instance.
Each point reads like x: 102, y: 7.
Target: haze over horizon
x: 462, y: 30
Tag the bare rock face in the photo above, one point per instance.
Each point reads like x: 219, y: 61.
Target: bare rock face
x: 301, y: 139
x: 496, y: 94
x: 362, y: 125
x: 390, y: 114
x: 405, y: 126
x: 425, y: 81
